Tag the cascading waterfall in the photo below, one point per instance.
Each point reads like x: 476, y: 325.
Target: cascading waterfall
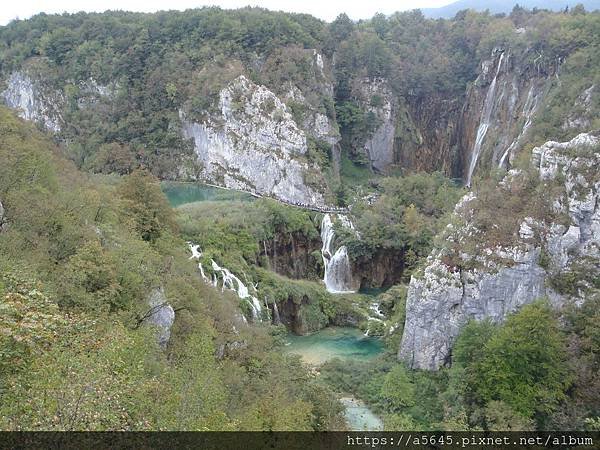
x: 529, y: 109
x: 229, y: 280
x: 338, y: 272
x: 276, y: 317
x: 484, y: 122
x: 197, y: 254
x: 376, y: 316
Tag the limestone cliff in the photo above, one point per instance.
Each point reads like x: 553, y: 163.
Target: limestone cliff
x: 378, y: 99
x: 32, y: 100
x: 459, y: 135
x: 485, y: 280
x: 294, y: 255
x: 161, y: 315
x: 255, y: 145
x: 2, y: 218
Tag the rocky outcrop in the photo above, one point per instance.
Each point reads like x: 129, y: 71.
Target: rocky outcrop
x: 576, y: 162
x: 32, y: 102
x: 255, y: 145
x: 302, y: 317
x: 581, y: 113
x: 2, y: 219
x: 493, y: 280
x: 293, y: 255
x: 378, y: 100
x: 161, y: 315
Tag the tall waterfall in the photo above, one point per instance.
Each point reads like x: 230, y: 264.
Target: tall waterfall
x: 338, y: 272
x: 484, y: 122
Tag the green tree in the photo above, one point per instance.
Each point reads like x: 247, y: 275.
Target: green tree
x: 398, y: 390
x: 524, y: 364
x: 146, y: 205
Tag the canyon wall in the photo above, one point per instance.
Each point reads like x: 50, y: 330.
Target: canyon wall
x: 487, y: 280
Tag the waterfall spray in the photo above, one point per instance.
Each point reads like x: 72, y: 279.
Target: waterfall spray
x: 338, y: 272
x: 484, y: 122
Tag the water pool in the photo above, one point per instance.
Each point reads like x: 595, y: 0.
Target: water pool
x: 334, y: 342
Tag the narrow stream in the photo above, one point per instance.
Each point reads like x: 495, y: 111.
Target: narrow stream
x: 359, y: 416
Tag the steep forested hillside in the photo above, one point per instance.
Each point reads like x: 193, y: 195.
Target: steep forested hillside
x: 82, y: 257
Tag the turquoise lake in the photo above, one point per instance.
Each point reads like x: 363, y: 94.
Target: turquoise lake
x: 334, y: 342
x: 182, y: 193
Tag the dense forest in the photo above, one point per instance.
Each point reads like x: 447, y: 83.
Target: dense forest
x: 139, y: 69
x: 91, y: 248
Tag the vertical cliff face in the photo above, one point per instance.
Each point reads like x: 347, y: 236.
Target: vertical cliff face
x: 378, y: 100
x: 487, y: 280
x: 498, y: 111
x: 255, y: 145
x: 458, y: 135
x: 381, y: 270
x: 2, y: 218
x: 426, y: 133
x: 293, y: 255
x: 33, y: 101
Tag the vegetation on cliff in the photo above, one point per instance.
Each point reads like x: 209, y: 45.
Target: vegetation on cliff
x: 80, y: 256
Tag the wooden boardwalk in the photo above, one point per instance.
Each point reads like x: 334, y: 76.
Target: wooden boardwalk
x: 321, y: 209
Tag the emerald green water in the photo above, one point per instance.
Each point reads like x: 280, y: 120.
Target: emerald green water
x: 181, y: 193
x: 334, y: 342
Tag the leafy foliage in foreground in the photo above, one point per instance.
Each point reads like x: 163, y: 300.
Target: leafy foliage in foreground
x: 80, y: 256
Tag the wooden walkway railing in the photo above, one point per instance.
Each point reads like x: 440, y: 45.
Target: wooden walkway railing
x: 316, y: 208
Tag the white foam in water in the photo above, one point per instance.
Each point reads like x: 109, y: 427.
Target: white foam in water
x: 229, y: 281
x: 338, y: 272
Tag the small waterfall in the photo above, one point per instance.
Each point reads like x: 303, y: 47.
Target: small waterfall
x: 230, y: 281
x: 338, y: 272
x: 276, y: 317
x: 484, y: 122
x: 204, y: 277
x: 197, y: 254
x: 195, y: 249
x: 376, y: 316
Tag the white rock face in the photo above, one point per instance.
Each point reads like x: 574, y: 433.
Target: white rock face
x: 380, y: 146
x: 91, y: 92
x: 577, y: 162
x: 2, y: 220
x: 444, y: 298
x: 161, y: 315
x: 582, y: 110
x: 24, y: 95
x: 255, y: 145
